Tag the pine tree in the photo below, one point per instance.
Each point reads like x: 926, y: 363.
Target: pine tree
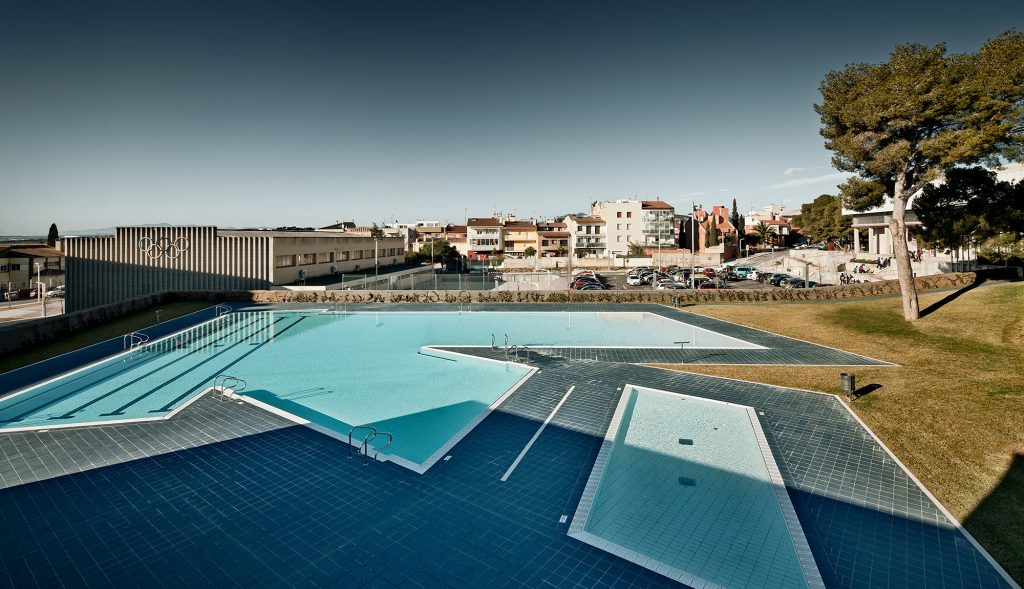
x: 52, y: 236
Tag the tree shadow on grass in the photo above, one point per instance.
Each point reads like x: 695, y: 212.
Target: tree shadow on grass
x: 951, y: 297
x: 995, y: 521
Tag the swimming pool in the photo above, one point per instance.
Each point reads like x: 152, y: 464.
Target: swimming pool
x: 687, y: 487
x: 338, y: 370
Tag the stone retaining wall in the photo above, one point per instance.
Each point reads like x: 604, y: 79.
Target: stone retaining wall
x: 22, y: 334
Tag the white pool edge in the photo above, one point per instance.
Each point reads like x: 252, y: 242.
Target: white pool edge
x: 441, y: 452
x: 576, y: 529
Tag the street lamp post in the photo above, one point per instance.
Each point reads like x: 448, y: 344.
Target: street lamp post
x: 39, y: 288
x: 693, y: 246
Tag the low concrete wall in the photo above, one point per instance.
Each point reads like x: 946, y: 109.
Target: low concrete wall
x: 19, y: 335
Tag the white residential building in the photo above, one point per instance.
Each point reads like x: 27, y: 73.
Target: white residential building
x: 647, y: 222
x: 588, y: 237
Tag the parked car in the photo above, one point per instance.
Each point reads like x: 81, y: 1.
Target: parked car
x: 710, y: 272
x: 776, y: 279
x: 743, y: 271
x: 57, y: 291
x: 11, y: 296
x: 27, y: 293
x: 671, y: 286
x: 716, y: 284
x: 754, y: 274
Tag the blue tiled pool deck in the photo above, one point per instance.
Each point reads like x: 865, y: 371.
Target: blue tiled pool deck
x: 225, y: 494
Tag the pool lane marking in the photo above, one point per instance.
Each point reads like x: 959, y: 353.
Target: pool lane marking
x: 101, y: 366
x: 168, y: 406
x: 540, y: 430
x: 66, y: 395
x: 120, y: 410
x: 70, y: 414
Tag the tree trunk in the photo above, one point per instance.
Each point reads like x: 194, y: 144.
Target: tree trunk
x: 904, y: 271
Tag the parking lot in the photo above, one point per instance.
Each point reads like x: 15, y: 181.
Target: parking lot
x: 617, y: 281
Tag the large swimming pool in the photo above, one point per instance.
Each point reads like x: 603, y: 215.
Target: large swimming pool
x: 684, y: 486
x: 338, y: 370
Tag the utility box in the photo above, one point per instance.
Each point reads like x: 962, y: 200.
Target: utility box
x: 848, y: 383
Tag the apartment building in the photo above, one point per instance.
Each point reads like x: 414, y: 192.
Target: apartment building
x: 483, y: 237
x: 773, y: 216
x: 137, y: 261
x: 588, y: 236
x: 552, y: 238
x: 646, y: 222
x: 517, y: 236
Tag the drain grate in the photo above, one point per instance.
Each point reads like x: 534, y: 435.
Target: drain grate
x: 686, y: 441
x: 687, y: 482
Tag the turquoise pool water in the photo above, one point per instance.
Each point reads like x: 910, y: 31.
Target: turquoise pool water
x: 685, y: 484
x: 337, y: 370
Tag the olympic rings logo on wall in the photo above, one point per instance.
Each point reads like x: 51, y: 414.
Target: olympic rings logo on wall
x: 163, y: 246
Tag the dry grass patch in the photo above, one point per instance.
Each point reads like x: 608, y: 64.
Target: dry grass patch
x: 953, y: 411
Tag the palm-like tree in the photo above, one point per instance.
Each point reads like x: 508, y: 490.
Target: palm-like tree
x: 636, y: 249
x: 765, y: 232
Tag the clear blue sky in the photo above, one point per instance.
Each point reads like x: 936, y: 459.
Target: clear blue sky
x: 302, y: 113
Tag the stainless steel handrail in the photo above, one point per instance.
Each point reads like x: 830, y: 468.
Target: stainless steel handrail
x: 373, y: 431
x: 221, y: 309
x: 366, y: 448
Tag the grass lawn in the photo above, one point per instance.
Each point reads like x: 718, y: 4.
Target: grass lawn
x: 953, y: 411
x: 104, y: 331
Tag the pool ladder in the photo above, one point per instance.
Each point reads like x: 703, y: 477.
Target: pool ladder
x: 364, y: 447
x: 514, y: 350
x: 221, y: 310
x: 134, y: 341
x: 228, y: 383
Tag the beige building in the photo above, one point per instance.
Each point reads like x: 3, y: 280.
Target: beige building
x: 646, y: 222
x: 22, y: 265
x: 137, y: 261
x: 517, y: 236
x: 552, y: 239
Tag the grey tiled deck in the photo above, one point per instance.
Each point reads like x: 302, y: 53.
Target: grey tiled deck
x: 226, y: 495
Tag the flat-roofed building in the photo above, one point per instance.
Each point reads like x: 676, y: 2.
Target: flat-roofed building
x: 483, y: 236
x: 871, y: 232
x: 644, y: 222
x: 138, y: 261
x: 18, y: 266
x: 588, y: 236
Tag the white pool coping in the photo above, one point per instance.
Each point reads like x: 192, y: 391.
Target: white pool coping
x: 576, y: 529
x: 442, y: 451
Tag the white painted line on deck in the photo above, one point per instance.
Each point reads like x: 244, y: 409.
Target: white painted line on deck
x: 537, y: 435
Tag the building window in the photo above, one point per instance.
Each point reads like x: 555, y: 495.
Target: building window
x: 618, y: 226
x: 324, y: 257
x: 5, y: 268
x: 343, y: 256
x: 307, y: 259
x: 618, y: 214
x: 357, y: 255
x: 629, y: 226
x: 618, y: 238
x: 15, y: 267
x: 629, y: 214
x: 284, y: 261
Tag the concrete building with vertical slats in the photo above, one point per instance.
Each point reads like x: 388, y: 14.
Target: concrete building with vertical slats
x: 138, y: 261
